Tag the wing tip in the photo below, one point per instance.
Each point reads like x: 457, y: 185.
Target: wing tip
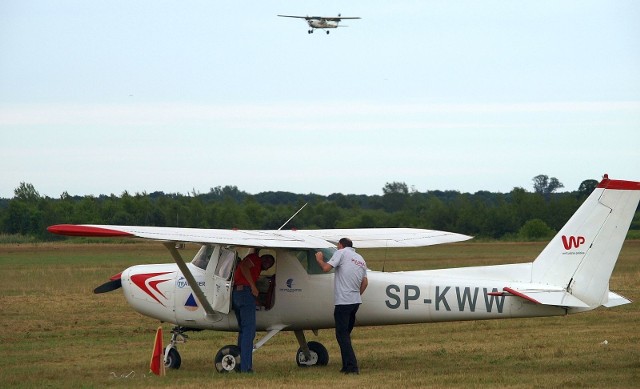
x: 89, y: 231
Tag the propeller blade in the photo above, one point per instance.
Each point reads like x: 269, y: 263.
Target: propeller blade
x: 108, y: 286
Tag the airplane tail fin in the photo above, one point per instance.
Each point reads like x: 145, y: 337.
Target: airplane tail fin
x: 581, y: 257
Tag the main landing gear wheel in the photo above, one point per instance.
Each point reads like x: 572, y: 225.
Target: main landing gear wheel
x: 228, y: 359
x: 319, y: 355
x: 173, y: 360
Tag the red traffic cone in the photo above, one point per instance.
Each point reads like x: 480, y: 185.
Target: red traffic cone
x: 157, y: 358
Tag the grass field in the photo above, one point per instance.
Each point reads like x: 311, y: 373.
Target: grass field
x: 57, y: 333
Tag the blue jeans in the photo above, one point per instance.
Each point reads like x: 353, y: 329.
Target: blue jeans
x: 345, y: 318
x: 244, y: 305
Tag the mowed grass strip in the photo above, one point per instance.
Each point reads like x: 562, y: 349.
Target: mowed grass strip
x: 57, y: 333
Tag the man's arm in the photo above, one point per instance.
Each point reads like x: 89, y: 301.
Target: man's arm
x: 320, y: 259
x: 363, y: 285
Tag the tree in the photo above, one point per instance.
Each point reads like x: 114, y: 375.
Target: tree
x: 26, y: 192
x: 535, y: 229
x: 543, y: 185
x: 586, y: 187
x: 395, y: 196
x: 395, y: 187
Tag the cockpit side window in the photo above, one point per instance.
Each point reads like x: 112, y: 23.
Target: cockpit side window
x: 203, y: 256
x: 307, y: 259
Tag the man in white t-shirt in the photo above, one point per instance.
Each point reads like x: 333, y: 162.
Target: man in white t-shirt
x: 350, y: 283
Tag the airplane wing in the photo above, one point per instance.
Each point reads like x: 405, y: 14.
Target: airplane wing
x: 298, y: 17
x: 337, y: 19
x: 315, y: 239
x: 387, y: 237
x: 328, y: 18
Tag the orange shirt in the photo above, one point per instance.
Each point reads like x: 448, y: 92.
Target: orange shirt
x: 254, y: 270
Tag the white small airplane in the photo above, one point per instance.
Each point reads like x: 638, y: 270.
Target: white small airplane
x: 570, y: 275
x: 322, y: 22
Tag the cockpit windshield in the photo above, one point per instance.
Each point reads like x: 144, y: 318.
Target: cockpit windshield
x: 203, y: 256
x: 307, y: 259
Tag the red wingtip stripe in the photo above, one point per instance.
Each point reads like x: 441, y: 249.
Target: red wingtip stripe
x: 607, y: 183
x: 76, y: 230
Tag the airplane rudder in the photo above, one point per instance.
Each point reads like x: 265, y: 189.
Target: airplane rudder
x: 591, y: 280
x: 558, y: 261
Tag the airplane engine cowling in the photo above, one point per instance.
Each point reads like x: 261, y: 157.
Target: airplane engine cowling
x: 149, y: 289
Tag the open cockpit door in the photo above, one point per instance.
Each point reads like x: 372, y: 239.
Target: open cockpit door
x: 219, y: 271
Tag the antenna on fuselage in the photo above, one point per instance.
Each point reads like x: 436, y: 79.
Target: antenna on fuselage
x: 294, y: 215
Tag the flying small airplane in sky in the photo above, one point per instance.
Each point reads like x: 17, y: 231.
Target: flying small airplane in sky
x: 570, y: 275
x: 322, y: 22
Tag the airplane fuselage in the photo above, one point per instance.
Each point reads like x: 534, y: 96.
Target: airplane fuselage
x: 322, y: 23
x: 300, y: 300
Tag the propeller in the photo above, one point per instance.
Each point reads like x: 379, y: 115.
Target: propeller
x: 114, y: 283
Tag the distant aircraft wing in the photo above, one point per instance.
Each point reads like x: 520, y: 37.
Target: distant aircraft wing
x: 298, y: 17
x: 328, y: 18
x: 315, y: 239
x: 339, y: 18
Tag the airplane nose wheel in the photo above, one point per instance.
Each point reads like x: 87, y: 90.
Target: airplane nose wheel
x: 173, y: 360
x: 318, y: 355
x: 228, y: 359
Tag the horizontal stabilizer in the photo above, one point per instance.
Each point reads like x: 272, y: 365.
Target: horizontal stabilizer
x: 558, y: 298
x: 615, y: 299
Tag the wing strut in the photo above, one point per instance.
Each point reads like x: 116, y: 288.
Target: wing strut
x: 211, y: 314
x: 274, y: 330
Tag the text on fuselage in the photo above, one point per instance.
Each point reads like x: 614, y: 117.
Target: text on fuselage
x: 445, y: 298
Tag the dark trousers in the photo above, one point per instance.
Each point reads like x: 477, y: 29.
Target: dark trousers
x: 345, y: 318
x: 244, y: 305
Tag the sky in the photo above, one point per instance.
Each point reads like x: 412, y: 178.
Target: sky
x: 103, y: 97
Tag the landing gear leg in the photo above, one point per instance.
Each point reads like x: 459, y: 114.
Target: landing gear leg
x: 172, y: 358
x: 310, y: 354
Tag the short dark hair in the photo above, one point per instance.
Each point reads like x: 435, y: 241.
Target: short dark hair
x: 268, y: 257
x: 346, y: 242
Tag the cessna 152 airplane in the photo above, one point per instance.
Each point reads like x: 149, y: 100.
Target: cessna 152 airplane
x: 570, y: 275
x: 322, y: 22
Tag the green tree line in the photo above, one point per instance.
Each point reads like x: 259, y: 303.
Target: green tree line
x: 517, y: 215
